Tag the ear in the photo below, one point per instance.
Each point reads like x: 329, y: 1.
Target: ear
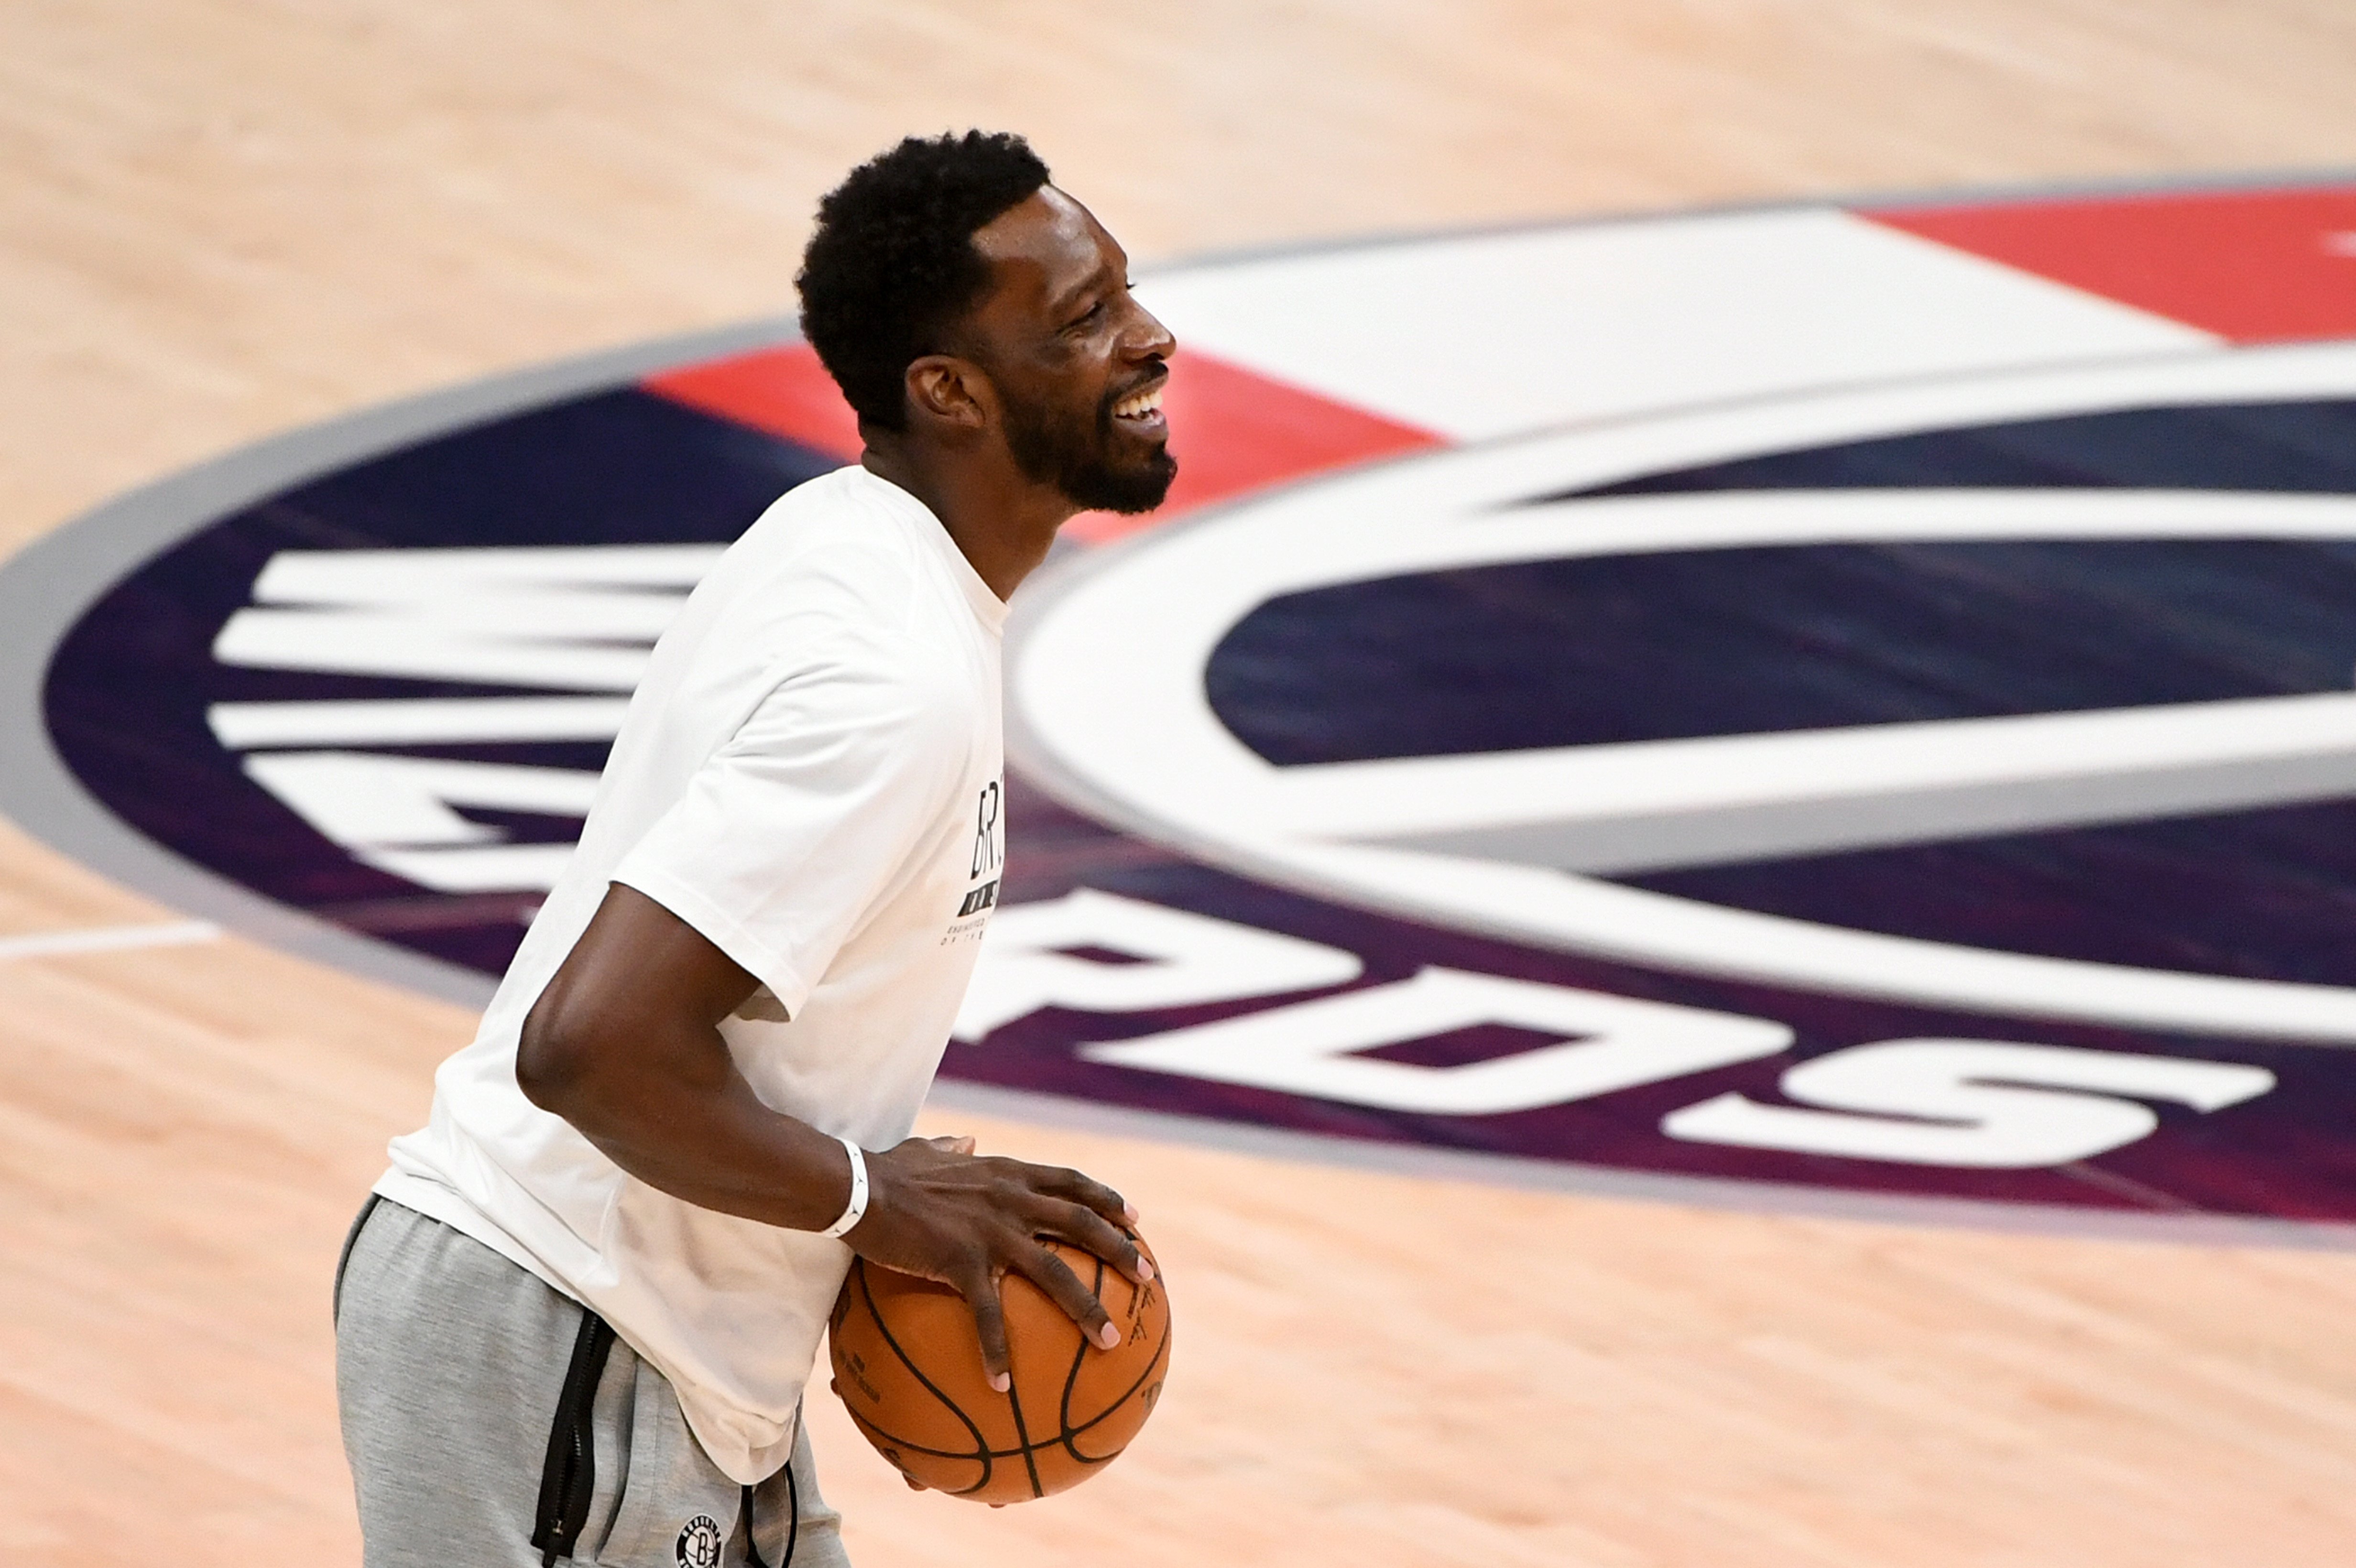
x: 942, y: 389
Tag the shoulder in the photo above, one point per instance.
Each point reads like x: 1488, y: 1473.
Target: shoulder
x: 844, y: 544
x: 857, y: 714
x: 852, y: 669
x: 848, y: 506
x: 831, y: 604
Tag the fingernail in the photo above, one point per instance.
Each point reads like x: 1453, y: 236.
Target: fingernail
x: 1108, y: 1336
x: 1128, y: 1211
x: 1001, y: 1381
x: 1144, y: 1266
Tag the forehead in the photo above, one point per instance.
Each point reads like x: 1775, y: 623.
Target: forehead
x: 1044, y: 247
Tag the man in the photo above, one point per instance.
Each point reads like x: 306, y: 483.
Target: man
x: 703, y: 1067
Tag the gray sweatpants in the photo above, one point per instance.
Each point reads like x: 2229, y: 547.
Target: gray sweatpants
x: 450, y: 1366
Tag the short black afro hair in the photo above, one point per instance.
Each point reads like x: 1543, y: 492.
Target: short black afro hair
x: 892, y: 264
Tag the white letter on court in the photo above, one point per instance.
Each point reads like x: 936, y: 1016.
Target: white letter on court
x: 576, y: 619
x: 394, y: 813
x: 1987, y: 1104
x: 1185, y: 960
x: 1605, y: 1043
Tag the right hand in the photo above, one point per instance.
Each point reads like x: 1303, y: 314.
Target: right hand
x: 937, y: 1210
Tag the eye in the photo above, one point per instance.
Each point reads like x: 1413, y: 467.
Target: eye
x: 1094, y: 314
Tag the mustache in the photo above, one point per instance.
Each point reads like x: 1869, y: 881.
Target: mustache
x: 1154, y: 374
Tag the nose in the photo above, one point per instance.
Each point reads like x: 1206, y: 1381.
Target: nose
x: 1146, y: 338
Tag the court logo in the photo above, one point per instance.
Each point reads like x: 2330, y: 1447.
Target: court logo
x: 1872, y: 728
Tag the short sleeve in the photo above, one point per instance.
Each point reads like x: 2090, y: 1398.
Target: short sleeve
x: 789, y: 832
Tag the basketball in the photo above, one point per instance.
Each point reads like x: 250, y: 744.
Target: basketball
x: 907, y: 1366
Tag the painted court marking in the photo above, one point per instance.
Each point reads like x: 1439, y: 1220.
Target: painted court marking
x: 1818, y: 871
x: 106, y: 939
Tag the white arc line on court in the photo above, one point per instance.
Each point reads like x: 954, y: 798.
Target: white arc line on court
x: 1648, y: 806
x: 106, y: 939
x: 1110, y: 706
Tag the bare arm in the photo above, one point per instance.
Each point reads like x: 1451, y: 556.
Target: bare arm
x: 625, y: 1044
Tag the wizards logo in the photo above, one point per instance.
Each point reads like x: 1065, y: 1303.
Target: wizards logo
x: 1852, y: 709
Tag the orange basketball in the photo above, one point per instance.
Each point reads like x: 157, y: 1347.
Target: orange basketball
x: 908, y: 1368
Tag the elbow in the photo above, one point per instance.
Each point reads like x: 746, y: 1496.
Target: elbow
x: 552, y: 1062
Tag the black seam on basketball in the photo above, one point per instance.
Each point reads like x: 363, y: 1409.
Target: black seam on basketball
x: 1067, y: 1441
x: 1080, y: 1358
x: 980, y: 1443
x: 866, y: 1426
x: 1022, y: 1432
x: 1026, y: 1449
x: 1161, y: 1354
x: 1160, y: 1358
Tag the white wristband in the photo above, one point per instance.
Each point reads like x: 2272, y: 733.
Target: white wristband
x: 856, y: 1209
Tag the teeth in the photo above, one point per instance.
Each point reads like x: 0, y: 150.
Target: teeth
x: 1138, y: 407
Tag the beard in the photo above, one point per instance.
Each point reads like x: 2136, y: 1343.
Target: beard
x: 1075, y: 457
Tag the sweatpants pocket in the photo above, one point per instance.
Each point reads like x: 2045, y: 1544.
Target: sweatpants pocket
x: 677, y: 1509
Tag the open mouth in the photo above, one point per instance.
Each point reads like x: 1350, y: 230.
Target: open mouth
x: 1141, y: 410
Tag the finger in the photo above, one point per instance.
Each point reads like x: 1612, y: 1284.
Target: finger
x: 981, y: 1291
x: 1086, y: 1228
x: 953, y: 1143
x: 1053, y: 1275
x: 1079, y: 1189
x: 914, y: 1485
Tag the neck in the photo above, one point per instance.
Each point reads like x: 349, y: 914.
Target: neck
x: 1001, y: 521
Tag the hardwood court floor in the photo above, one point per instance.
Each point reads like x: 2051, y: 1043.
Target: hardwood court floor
x: 218, y: 220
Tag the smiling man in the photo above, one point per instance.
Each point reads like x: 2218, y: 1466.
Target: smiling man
x: 576, y: 1318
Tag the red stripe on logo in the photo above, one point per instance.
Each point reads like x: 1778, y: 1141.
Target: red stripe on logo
x: 1232, y: 429
x: 2252, y: 266
x: 784, y: 391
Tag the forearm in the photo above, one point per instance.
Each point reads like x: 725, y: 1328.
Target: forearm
x: 676, y: 1114
x: 625, y: 1044
x: 720, y: 1147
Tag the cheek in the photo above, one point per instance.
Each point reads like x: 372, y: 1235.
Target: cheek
x: 1075, y: 392
x: 1058, y: 375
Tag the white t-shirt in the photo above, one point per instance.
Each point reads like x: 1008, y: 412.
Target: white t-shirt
x: 809, y: 775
